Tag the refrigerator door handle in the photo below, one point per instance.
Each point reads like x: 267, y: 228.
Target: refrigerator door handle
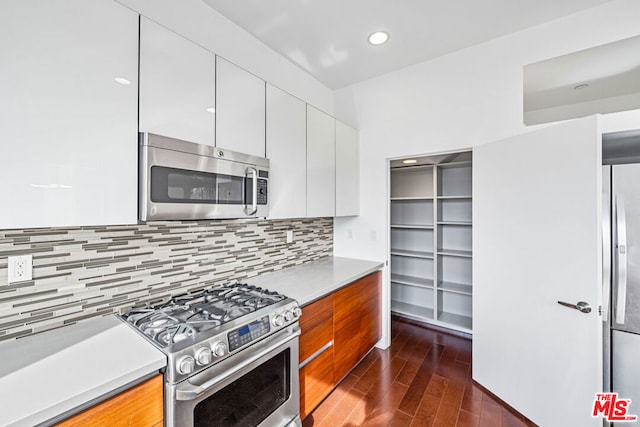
x: 621, y: 261
x: 606, y: 258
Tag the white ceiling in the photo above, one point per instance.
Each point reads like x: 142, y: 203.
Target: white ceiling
x: 328, y: 38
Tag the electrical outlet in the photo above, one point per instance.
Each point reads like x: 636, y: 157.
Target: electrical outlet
x: 290, y: 236
x: 20, y: 268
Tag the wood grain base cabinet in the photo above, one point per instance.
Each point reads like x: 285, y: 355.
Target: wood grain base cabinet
x: 316, y: 382
x: 316, y: 372
x: 337, y: 332
x: 140, y: 406
x: 356, y: 323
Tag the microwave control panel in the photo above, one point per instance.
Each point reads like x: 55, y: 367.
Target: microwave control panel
x: 262, y: 191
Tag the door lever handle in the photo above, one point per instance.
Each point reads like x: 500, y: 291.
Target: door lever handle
x: 580, y: 306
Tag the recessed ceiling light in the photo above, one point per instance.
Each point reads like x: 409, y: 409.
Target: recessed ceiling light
x: 378, y: 38
x: 211, y: 110
x: 409, y: 161
x: 122, y: 81
x: 581, y: 86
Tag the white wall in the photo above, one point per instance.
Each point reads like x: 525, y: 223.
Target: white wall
x: 458, y: 101
x: 200, y: 23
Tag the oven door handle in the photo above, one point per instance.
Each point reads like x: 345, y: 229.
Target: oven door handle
x: 191, y: 391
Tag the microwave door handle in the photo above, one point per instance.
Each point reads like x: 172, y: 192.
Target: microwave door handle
x: 621, y: 261
x: 254, y: 192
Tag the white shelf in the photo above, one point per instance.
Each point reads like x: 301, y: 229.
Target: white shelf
x: 412, y: 281
x: 412, y: 254
x: 457, y: 223
x: 455, y: 164
x: 461, y: 197
x: 453, y: 252
x: 456, y: 319
x: 404, y: 199
x: 411, y: 310
x: 412, y: 227
x: 457, y: 288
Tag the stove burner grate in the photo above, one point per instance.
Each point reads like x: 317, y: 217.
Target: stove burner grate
x: 184, y: 316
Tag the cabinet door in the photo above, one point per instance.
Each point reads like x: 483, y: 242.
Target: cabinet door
x: 177, y: 85
x: 316, y: 354
x: 347, y: 171
x: 68, y: 154
x: 287, y: 152
x: 316, y: 382
x: 141, y: 405
x: 357, y: 327
x: 240, y: 109
x: 316, y: 326
x: 321, y: 169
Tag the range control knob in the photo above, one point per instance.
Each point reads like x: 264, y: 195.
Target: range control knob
x: 288, y: 316
x: 277, y: 321
x: 204, y: 356
x: 185, y: 365
x: 219, y: 349
x: 296, y: 312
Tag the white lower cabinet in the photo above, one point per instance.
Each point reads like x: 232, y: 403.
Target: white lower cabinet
x: 287, y: 152
x: 177, y: 85
x: 321, y: 165
x: 240, y: 109
x: 68, y: 116
x: 431, y: 206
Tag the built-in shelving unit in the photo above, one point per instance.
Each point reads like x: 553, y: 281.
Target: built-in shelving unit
x: 430, y: 229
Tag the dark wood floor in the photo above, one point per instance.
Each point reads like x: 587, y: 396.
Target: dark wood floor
x: 423, y: 379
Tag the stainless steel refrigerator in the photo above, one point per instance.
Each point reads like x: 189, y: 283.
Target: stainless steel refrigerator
x: 621, y: 272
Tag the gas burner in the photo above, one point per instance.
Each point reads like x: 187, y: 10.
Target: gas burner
x: 235, y: 312
x: 175, y: 333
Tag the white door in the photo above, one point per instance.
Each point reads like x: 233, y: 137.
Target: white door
x: 240, y: 109
x: 177, y: 85
x: 347, y: 171
x: 321, y: 163
x: 287, y: 153
x: 536, y: 241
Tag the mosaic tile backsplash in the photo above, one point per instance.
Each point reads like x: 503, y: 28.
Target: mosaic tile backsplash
x: 83, y: 272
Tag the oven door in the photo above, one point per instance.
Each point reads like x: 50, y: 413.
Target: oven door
x: 255, y: 387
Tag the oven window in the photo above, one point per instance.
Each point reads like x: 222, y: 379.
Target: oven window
x: 251, y: 398
x: 170, y: 185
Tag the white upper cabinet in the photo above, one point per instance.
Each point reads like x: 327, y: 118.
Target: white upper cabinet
x: 177, y: 85
x: 347, y: 171
x: 240, y: 109
x: 321, y: 164
x: 68, y: 128
x: 287, y: 151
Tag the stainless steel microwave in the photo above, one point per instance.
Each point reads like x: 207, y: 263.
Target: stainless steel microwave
x: 180, y: 180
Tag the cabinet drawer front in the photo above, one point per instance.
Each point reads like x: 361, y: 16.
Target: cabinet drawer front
x: 316, y: 325
x: 141, y: 405
x: 316, y: 381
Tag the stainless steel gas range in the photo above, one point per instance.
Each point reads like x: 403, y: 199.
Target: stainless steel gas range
x: 232, y: 354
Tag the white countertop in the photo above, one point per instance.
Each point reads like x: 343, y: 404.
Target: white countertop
x: 309, y: 282
x: 48, y: 374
